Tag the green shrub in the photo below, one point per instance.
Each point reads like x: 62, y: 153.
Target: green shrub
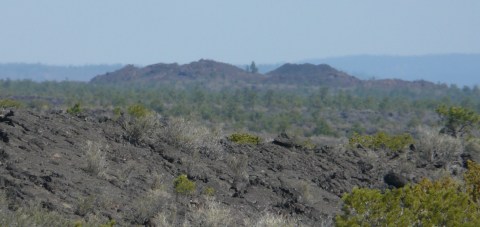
x: 9, y: 103
x: 244, y: 138
x: 472, y: 180
x: 458, y: 121
x: 209, y: 191
x: 183, y: 185
x: 138, y: 111
x: 75, y: 109
x: 438, y: 203
x: 117, y: 112
x: 381, y: 140
x: 308, y: 144
x: 323, y: 128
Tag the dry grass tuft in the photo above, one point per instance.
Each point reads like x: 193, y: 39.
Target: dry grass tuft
x: 148, y: 206
x: 272, y: 220
x: 191, y: 136
x: 140, y: 130
x: 212, y: 213
x: 96, y: 161
x: 435, y: 146
x: 238, y: 165
x: 33, y: 215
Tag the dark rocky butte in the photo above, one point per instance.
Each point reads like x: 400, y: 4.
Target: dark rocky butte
x: 210, y: 71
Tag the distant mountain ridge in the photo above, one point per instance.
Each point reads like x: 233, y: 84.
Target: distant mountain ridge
x: 41, y: 72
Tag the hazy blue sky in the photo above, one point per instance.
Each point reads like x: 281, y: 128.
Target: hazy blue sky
x: 151, y: 31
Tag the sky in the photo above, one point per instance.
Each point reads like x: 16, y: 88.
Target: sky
x: 145, y: 32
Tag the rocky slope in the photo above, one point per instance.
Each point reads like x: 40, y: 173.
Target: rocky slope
x: 84, y: 166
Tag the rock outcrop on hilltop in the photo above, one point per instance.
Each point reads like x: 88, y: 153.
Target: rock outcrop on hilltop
x: 85, y: 165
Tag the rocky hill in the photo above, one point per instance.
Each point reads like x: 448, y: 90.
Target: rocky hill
x: 312, y: 74
x: 217, y: 74
x: 96, y: 167
x: 199, y: 70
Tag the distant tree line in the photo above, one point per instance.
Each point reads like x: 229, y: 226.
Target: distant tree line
x: 305, y: 110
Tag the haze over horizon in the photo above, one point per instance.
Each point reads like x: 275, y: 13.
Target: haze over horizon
x: 59, y: 32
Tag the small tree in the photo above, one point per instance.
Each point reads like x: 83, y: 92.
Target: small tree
x: 183, y: 185
x: 253, y: 68
x: 457, y: 120
x: 138, y: 111
x: 472, y: 180
x: 75, y: 109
